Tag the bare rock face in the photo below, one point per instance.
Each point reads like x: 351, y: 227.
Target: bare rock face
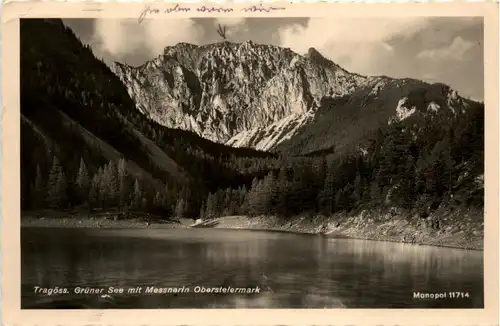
x: 436, y: 99
x: 229, y: 92
x: 260, y: 96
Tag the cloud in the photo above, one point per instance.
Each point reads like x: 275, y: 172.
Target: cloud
x: 456, y: 51
x: 349, y: 41
x: 120, y: 37
x: 111, y: 36
x: 319, y: 32
x: 230, y: 21
x: 387, y: 47
x: 171, y: 31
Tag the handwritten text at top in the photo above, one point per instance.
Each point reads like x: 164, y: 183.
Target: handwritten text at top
x: 150, y: 11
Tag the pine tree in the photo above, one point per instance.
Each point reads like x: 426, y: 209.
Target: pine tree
x: 53, y: 173
x: 157, y: 202
x: 227, y: 202
x: 110, y: 183
x: 319, y: 170
x: 145, y: 203
x: 255, y: 198
x: 375, y: 193
x: 269, y: 194
x: 180, y: 208
x: 447, y: 169
x: 56, y: 185
x: 326, y: 197
x: 219, y: 198
x: 243, y: 209
x: 234, y: 201
x: 282, y: 197
x: 165, y: 201
x: 357, y: 188
x: 83, y: 182
x: 104, y: 196
x: 136, y: 198
x: 339, y: 200
x: 188, y: 196
x: 202, y: 211
x: 57, y: 194
x: 123, y: 191
x: 211, y: 206
x: 63, y: 189
x: 38, y: 191
x: 94, y: 196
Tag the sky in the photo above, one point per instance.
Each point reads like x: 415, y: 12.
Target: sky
x: 435, y: 49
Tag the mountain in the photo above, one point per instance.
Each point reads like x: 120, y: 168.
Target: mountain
x: 368, y: 143
x: 76, y: 117
x: 229, y: 92
x: 347, y: 121
x: 266, y: 97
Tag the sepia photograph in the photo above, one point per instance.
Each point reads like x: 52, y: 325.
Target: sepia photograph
x: 252, y: 162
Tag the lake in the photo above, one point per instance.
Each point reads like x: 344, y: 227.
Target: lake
x: 285, y: 270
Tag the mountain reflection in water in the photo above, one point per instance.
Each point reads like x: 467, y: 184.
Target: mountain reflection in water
x: 291, y: 270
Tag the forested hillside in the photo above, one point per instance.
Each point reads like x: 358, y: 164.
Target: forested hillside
x: 84, y: 144
x: 416, y: 164
x: 343, y: 122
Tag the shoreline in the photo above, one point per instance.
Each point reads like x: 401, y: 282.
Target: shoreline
x: 394, y: 230
x: 108, y: 220
x: 461, y: 230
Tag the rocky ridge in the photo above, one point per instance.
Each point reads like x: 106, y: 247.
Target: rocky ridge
x: 228, y: 92
x: 254, y: 95
x: 443, y: 100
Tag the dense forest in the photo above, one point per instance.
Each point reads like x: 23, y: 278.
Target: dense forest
x: 85, y: 145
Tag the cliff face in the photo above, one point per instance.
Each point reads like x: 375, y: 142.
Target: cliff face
x: 273, y: 99
x: 228, y: 92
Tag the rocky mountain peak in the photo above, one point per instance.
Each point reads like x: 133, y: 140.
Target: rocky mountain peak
x: 312, y: 53
x: 181, y: 47
x: 434, y: 100
x: 316, y: 57
x: 223, y: 89
x: 256, y: 95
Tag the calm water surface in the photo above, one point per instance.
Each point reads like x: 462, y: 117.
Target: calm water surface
x: 291, y: 270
